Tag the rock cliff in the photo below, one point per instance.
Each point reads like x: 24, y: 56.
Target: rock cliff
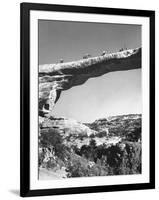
x: 54, y: 78
x: 64, y: 126
x: 103, y: 131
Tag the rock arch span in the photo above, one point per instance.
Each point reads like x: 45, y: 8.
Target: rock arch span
x: 54, y: 78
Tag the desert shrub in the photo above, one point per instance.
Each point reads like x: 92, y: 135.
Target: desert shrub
x: 92, y: 136
x: 52, y: 138
x: 133, y: 157
x: 92, y: 144
x: 85, y: 151
x: 41, y: 157
x: 98, y: 170
x: 134, y: 135
x: 60, y: 163
x: 125, y: 160
x: 88, y: 151
x: 122, y: 158
x: 54, y: 153
x: 75, y: 149
x: 55, y: 164
x: 101, y: 134
x: 50, y: 164
x: 80, y: 167
x: 114, y: 156
x: 77, y: 166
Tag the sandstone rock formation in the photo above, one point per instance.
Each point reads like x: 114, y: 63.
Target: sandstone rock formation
x: 64, y: 126
x: 104, y: 131
x: 54, y: 78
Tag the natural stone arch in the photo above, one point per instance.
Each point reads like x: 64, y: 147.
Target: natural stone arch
x: 54, y: 78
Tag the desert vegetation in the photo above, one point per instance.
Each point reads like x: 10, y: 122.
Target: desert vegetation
x: 60, y: 150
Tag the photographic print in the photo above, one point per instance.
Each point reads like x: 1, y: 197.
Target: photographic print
x: 90, y: 99
x: 87, y: 99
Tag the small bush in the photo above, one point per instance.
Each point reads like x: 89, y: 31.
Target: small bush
x: 79, y: 167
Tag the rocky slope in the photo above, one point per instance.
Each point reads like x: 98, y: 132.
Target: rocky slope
x: 54, y: 78
x: 106, y: 130
x: 122, y: 125
x: 65, y: 127
x: 112, y: 147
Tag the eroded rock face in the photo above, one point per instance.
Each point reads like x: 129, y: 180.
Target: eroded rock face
x: 54, y: 78
x: 108, y: 130
x: 64, y: 126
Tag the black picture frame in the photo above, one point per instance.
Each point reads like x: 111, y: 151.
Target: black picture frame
x: 25, y: 9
